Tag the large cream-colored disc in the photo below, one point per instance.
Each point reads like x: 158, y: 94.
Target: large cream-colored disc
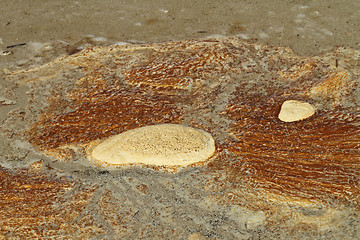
x: 163, y: 144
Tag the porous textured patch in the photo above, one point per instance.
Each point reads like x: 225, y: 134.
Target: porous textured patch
x: 164, y: 144
x: 293, y: 110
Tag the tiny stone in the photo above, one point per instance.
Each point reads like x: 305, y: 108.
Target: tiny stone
x: 196, y: 236
x: 36, y: 165
x: 293, y: 110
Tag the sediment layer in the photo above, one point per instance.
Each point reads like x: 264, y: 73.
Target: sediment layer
x: 233, y: 90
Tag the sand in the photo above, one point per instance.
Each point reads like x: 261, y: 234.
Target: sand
x: 52, y: 198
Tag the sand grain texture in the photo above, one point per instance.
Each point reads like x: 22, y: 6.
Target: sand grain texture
x: 233, y: 90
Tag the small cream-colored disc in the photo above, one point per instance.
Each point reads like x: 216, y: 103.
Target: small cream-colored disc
x: 293, y: 110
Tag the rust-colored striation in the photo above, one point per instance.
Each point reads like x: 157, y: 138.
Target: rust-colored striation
x: 101, y: 115
x: 29, y: 205
x: 314, y: 159
x: 225, y: 86
x: 297, y: 72
x: 182, y: 66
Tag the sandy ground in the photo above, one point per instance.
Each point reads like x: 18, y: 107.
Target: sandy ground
x: 308, y: 27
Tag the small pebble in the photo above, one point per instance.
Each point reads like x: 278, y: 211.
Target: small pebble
x: 293, y: 110
x: 5, y: 53
x: 196, y: 236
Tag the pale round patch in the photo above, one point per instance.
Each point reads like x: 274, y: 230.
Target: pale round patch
x: 160, y: 145
x: 293, y: 110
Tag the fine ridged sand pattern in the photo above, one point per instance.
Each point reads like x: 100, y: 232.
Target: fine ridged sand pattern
x: 231, y: 89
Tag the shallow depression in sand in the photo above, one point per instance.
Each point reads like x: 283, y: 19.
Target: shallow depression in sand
x: 163, y: 144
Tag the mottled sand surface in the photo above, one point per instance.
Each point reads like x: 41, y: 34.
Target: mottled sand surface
x: 267, y: 179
